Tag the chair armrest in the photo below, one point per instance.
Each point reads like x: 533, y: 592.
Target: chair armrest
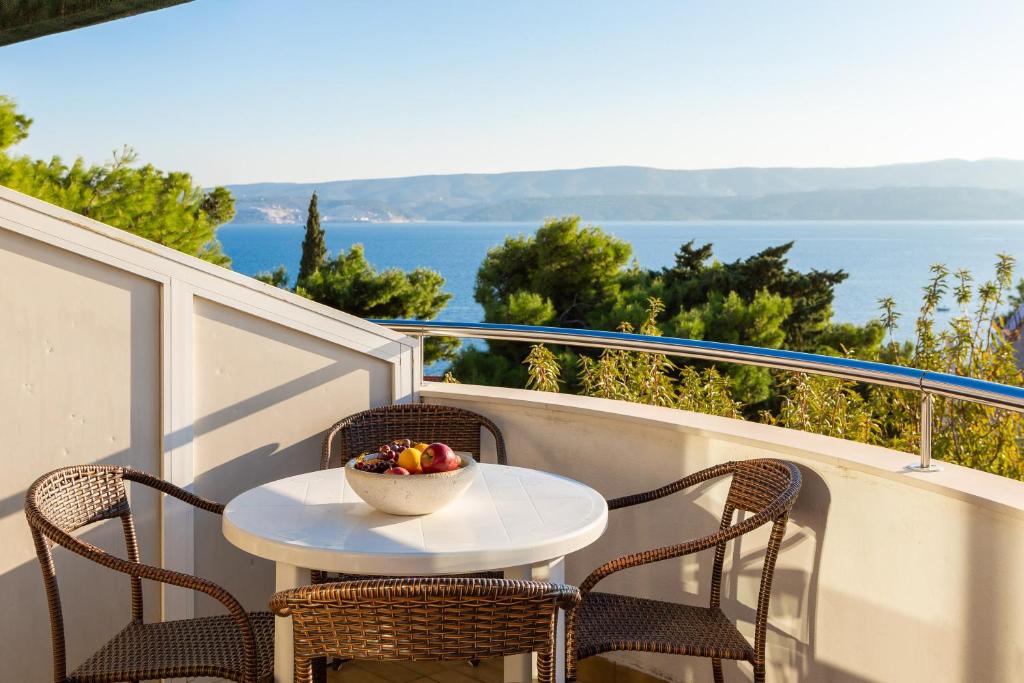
x: 170, y: 577
x: 170, y: 489
x: 669, y: 489
x: 332, y: 431
x: 499, y: 440
x: 679, y: 550
x: 145, y: 571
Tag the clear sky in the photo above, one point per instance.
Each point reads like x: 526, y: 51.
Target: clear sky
x: 260, y: 90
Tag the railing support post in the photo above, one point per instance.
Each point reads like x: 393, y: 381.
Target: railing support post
x: 423, y: 368
x: 925, y: 464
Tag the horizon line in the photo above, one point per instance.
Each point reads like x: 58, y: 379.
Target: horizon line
x: 615, y: 166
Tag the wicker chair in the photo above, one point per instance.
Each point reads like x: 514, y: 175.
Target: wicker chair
x: 238, y: 646
x: 367, y: 430
x: 605, y: 622
x: 424, y: 619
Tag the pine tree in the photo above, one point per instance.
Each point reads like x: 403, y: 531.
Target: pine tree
x: 166, y: 207
x: 314, y: 250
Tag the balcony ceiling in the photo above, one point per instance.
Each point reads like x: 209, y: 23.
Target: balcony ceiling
x: 26, y: 19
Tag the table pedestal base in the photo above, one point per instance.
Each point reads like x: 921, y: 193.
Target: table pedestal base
x: 523, y: 668
x: 286, y: 577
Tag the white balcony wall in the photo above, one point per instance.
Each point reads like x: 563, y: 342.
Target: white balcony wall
x: 884, y: 575
x: 81, y: 376
x: 117, y: 350
x: 264, y: 396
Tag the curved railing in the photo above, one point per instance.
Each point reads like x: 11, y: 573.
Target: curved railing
x: 927, y: 383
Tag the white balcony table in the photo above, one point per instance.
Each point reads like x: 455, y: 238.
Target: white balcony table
x: 523, y: 522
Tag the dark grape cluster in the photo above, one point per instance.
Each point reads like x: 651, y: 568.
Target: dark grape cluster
x: 377, y: 465
x: 384, y: 459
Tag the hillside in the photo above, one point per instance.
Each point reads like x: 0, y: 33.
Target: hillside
x: 987, y: 189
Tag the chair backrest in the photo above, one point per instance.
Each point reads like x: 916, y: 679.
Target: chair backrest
x: 424, y: 619
x: 62, y: 502
x: 767, y: 488
x: 369, y: 429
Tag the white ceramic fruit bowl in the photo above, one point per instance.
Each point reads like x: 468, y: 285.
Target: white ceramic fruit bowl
x: 411, y: 494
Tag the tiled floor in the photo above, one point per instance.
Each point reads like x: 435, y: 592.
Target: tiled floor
x: 489, y: 671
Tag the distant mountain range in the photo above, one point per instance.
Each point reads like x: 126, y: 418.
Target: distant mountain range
x: 949, y: 189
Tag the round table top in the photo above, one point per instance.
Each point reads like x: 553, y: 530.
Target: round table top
x: 508, y: 517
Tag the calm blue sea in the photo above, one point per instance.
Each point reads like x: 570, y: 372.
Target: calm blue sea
x: 882, y: 258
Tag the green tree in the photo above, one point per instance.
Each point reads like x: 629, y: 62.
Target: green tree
x: 350, y: 283
x: 973, y: 345
x: 572, y: 276
x: 277, y: 277
x: 562, y: 275
x: 314, y: 249
x: 731, y: 319
x: 569, y: 271
x: 13, y: 125
x: 696, y: 278
x: 166, y: 207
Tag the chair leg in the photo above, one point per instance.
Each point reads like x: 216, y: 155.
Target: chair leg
x: 303, y: 670
x: 571, y: 661
x: 545, y: 667
x: 716, y: 668
x: 319, y: 670
x: 570, y: 670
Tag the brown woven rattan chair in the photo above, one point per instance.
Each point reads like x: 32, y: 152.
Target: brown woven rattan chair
x: 238, y: 646
x: 366, y: 431
x: 605, y: 622
x: 369, y: 429
x: 424, y: 619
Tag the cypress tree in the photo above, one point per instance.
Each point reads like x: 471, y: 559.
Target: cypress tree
x: 314, y: 249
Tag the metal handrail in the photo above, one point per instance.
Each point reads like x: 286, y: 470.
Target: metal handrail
x: 924, y: 381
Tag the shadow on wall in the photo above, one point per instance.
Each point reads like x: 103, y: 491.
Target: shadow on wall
x: 265, y: 393
x: 794, y: 591
x: 792, y: 613
x: 81, y: 364
x: 85, y: 585
x: 249, y: 578
x: 14, y: 504
x: 95, y: 601
x: 104, y: 364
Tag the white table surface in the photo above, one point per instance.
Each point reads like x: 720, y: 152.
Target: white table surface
x: 518, y: 520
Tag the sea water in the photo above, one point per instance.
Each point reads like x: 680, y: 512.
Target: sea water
x: 882, y: 258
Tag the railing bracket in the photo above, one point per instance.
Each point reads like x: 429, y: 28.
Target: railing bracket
x: 918, y: 467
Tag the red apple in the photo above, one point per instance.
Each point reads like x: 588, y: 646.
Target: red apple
x: 397, y: 470
x: 439, y: 458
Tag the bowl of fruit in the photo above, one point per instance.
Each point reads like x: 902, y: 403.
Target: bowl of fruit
x: 408, y: 478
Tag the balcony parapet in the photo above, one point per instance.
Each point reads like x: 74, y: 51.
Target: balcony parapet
x: 884, y: 574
